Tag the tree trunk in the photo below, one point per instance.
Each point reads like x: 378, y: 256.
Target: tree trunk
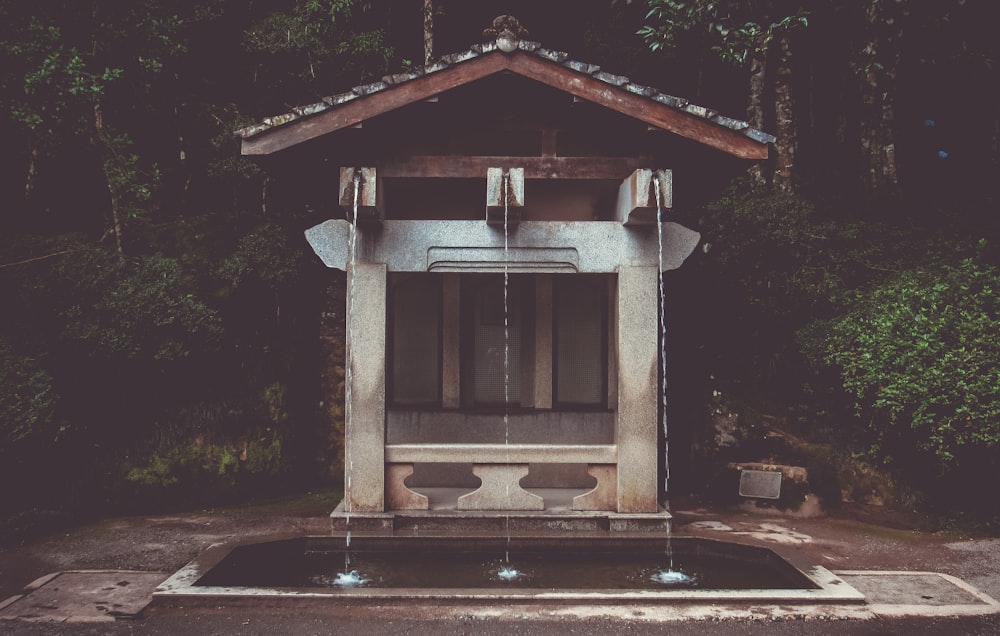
x: 755, y: 109
x: 878, y: 151
x: 100, y: 144
x: 428, y: 32
x: 786, y: 143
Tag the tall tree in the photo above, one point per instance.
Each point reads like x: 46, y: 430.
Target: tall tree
x: 751, y: 35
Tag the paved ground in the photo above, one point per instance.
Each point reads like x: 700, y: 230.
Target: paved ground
x: 109, y: 568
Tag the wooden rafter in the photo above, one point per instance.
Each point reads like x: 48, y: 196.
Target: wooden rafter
x: 530, y: 66
x: 475, y: 167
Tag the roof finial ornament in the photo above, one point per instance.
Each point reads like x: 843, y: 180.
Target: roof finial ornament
x: 507, y: 31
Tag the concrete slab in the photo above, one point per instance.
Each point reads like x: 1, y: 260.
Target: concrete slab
x: 83, y: 596
x: 904, y: 593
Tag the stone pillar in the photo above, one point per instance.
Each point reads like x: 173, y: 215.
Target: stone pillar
x: 364, y: 454
x: 636, y: 415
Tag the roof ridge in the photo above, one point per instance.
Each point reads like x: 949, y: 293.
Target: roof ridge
x: 523, y: 46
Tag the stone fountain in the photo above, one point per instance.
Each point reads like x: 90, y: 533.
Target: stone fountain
x: 504, y: 230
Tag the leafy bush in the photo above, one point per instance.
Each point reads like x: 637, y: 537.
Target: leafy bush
x: 145, y: 312
x: 919, y: 354
x: 27, y: 398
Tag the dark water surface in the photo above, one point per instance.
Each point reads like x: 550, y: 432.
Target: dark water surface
x: 563, y: 564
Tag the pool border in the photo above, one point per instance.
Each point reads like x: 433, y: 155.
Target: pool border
x: 181, y: 589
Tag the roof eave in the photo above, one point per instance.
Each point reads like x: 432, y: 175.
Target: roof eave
x: 613, y: 92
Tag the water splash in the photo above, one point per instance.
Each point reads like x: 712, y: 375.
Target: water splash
x: 504, y: 572
x: 671, y: 576
x: 351, y: 578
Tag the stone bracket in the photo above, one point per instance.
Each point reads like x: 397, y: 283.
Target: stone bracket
x: 637, y: 196
x: 604, y: 496
x: 370, y: 194
x: 495, y: 181
x: 398, y: 496
x: 500, y: 489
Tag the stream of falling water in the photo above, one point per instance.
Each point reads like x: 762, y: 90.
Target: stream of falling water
x: 507, y: 572
x: 669, y: 576
x: 350, y: 577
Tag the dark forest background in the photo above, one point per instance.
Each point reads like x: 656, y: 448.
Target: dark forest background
x: 161, y: 310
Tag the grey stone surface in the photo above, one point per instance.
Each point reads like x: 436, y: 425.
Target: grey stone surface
x: 84, y: 596
x: 502, y: 453
x: 535, y: 246
x: 637, y: 425
x: 365, y: 421
x: 398, y: 496
x: 411, y: 426
x: 501, y: 489
x: 604, y: 495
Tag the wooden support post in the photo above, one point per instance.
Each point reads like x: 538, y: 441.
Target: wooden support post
x: 495, y: 200
x: 637, y: 196
x: 370, y: 194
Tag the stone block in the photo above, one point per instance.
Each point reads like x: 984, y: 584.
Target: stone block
x: 501, y: 489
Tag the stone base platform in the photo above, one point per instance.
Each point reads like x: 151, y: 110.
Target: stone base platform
x: 443, y: 516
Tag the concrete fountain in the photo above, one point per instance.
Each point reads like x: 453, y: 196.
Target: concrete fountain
x: 504, y: 229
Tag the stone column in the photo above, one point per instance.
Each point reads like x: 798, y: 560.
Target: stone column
x: 364, y: 455
x: 636, y: 415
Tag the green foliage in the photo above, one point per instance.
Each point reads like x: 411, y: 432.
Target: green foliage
x: 143, y: 312
x: 778, y: 249
x: 738, y: 30
x: 262, y: 256
x: 920, y: 355
x: 46, y: 81
x: 320, y: 40
x: 27, y: 398
x: 213, y: 466
x: 130, y: 184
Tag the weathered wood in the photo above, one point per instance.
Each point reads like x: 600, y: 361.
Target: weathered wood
x: 638, y: 107
x: 472, y: 167
x: 555, y: 75
x: 504, y: 195
x: 368, y: 106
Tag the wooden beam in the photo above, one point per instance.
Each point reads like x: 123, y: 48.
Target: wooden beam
x: 367, y: 106
x: 463, y: 167
x: 579, y: 85
x: 637, y: 106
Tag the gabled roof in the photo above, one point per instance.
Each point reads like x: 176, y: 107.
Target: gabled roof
x: 528, y: 59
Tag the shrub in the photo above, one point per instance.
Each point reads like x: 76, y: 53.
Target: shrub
x: 920, y: 356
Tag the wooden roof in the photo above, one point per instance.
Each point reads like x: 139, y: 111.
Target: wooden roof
x: 527, y: 59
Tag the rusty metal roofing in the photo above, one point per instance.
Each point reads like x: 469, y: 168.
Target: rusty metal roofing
x: 532, y: 48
